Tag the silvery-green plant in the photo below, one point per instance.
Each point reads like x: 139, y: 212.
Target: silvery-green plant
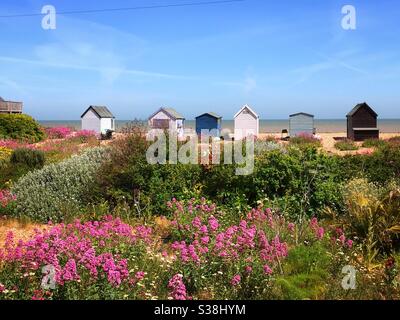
x: 56, y: 190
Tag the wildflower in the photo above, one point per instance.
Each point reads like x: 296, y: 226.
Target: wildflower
x: 291, y: 227
x: 320, y: 233
x: 177, y: 288
x: 236, y: 280
x: 349, y: 243
x: 139, y: 275
x: 267, y: 269
x: 249, y: 269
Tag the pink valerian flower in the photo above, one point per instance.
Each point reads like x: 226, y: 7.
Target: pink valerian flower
x: 320, y: 233
x: 349, y: 243
x: 291, y: 227
x: 236, y: 280
x: 139, y: 275
x: 213, y: 223
x: 2, y: 288
x: 58, y: 132
x: 177, y: 288
x: 6, y: 197
x: 249, y: 269
x: 77, y: 243
x: 267, y: 269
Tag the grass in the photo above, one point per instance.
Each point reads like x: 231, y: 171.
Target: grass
x: 373, y: 143
x: 346, y: 145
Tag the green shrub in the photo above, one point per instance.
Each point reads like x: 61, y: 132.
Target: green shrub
x: 305, y: 140
x: 31, y: 158
x: 56, y: 191
x: 346, y: 145
x: 373, y: 143
x: 128, y: 177
x: 20, y: 127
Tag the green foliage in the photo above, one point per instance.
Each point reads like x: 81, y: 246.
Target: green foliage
x: 372, y: 215
x: 373, y: 143
x: 56, y: 191
x: 306, y: 272
x: 346, y: 145
x: 33, y: 159
x: 20, y: 127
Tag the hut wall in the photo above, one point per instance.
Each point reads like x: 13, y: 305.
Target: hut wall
x: 208, y: 122
x: 301, y: 124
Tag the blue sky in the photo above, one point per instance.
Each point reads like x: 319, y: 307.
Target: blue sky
x: 280, y: 57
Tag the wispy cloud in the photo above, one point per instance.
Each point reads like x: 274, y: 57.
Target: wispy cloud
x: 100, y: 69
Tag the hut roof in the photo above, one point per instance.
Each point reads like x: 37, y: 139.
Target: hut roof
x: 301, y: 113
x: 246, y: 106
x: 172, y: 113
x: 101, y: 111
x: 212, y: 114
x: 358, y: 107
x: 1, y: 99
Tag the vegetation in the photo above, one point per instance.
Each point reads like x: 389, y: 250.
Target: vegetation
x: 20, y: 127
x: 346, y: 145
x: 283, y: 232
x: 54, y: 192
x: 33, y: 159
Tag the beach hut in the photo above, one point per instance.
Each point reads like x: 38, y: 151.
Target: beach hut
x: 98, y: 119
x: 301, y: 123
x: 167, y: 118
x: 209, y: 121
x: 247, y: 122
x: 10, y: 107
x: 362, y: 123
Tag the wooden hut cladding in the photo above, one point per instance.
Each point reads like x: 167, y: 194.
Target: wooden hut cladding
x: 301, y: 123
x: 209, y: 121
x: 362, y: 123
x: 247, y: 123
x: 10, y: 106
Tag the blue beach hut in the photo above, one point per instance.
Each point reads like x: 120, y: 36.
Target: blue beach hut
x: 209, y: 121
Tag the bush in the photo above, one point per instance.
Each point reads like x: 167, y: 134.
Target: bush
x: 33, y: 159
x: 372, y: 215
x: 5, y: 153
x: 55, y: 192
x: 20, y: 127
x: 128, y: 177
x: 373, y: 143
x: 346, y: 145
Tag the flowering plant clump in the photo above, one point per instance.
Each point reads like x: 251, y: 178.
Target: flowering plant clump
x: 6, y: 197
x: 5, y: 153
x: 84, y: 135
x: 75, y: 261
x: 214, y: 250
x: 58, y: 132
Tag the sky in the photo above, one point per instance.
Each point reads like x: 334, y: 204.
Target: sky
x: 280, y: 57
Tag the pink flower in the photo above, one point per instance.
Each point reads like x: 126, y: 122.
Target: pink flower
x: 249, y: 269
x: 236, y: 280
x: 139, y: 275
x: 267, y: 269
x: 349, y: 243
x: 291, y: 227
x: 320, y: 233
x: 177, y: 288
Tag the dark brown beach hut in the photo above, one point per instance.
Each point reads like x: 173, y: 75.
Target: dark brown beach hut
x: 362, y: 123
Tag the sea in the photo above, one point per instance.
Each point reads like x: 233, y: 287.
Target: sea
x: 266, y: 126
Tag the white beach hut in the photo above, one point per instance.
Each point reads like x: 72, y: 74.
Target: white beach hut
x: 247, y: 122
x: 98, y: 119
x: 167, y: 118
